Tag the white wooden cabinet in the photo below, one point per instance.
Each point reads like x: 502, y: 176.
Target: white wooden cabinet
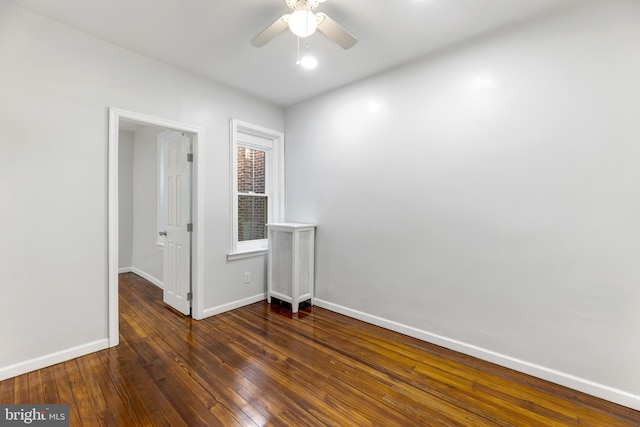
x: 290, y: 270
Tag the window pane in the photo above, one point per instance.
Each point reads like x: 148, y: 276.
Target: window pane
x: 252, y: 218
x: 251, y: 170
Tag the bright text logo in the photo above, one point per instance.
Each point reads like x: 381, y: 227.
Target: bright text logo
x: 36, y: 415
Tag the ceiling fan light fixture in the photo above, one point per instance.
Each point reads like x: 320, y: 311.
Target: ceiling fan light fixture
x: 309, y: 62
x: 303, y: 22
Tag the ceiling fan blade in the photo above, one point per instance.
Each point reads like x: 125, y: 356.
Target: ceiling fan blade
x: 334, y: 31
x: 272, y: 30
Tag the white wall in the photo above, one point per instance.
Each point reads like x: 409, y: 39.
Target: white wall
x: 487, y: 198
x: 125, y: 199
x: 147, y: 255
x: 56, y: 86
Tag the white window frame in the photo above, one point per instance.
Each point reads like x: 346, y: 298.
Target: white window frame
x: 244, y: 134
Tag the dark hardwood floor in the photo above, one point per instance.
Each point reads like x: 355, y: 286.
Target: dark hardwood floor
x: 260, y: 365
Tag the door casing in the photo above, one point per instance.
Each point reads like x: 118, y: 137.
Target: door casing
x: 115, y: 115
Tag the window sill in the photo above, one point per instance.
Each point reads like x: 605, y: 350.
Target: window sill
x: 248, y: 254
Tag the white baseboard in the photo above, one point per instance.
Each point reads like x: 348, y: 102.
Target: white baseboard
x: 52, y: 359
x: 580, y: 384
x: 155, y: 281
x: 208, y: 312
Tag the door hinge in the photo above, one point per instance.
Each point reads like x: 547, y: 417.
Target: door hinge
x: 189, y: 296
x: 190, y: 227
x: 190, y: 157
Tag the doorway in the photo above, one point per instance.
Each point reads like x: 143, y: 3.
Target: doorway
x: 192, y: 224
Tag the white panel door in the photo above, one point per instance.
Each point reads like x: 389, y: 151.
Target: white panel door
x: 177, y: 214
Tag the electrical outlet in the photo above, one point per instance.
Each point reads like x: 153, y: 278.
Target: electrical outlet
x: 247, y: 277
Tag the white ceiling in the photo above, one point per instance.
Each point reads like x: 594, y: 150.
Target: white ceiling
x: 212, y: 37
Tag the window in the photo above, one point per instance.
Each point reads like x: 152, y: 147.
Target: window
x: 257, y: 168
x: 253, y: 200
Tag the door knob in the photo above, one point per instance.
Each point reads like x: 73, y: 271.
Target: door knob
x: 163, y: 233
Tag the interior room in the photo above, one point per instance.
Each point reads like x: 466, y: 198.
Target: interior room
x: 470, y: 166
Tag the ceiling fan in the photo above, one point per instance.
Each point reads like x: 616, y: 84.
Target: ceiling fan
x: 303, y: 22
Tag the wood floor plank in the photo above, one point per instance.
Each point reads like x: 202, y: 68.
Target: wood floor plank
x: 115, y: 409
x: 35, y: 387
x: 344, y: 368
x: 132, y: 388
x: 284, y: 372
x: 290, y: 348
x: 82, y: 399
x: 21, y: 389
x: 65, y: 394
x: 49, y: 389
x: 262, y: 365
x: 396, y: 364
x: 7, y: 390
x: 95, y: 394
x: 150, y: 400
x: 155, y: 344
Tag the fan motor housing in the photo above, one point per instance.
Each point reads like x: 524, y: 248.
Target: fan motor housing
x: 303, y: 4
